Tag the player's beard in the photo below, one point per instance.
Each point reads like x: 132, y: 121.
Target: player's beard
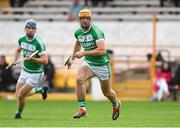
x: 86, y: 26
x: 30, y: 36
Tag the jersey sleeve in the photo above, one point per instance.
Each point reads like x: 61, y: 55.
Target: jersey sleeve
x: 41, y: 47
x: 98, y: 34
x: 75, y: 35
x: 19, y: 42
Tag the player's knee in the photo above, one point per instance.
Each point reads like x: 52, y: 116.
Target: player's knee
x: 20, y: 95
x: 79, y: 81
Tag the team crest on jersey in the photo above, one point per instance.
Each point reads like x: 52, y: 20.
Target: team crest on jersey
x: 27, y: 46
x: 85, y: 38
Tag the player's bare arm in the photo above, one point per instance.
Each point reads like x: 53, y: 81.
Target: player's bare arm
x: 100, y: 50
x: 42, y: 60
x: 77, y: 48
x: 16, y: 55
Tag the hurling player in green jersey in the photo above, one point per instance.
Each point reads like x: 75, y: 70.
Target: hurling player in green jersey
x: 96, y: 62
x: 33, y: 67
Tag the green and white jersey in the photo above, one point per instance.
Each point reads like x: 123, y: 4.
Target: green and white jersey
x: 28, y: 47
x: 88, y: 41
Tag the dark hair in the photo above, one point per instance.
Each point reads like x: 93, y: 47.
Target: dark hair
x: 162, y: 66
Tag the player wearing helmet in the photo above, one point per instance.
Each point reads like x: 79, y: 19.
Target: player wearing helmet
x: 33, y: 66
x: 96, y: 62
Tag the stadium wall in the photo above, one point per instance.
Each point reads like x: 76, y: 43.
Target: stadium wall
x: 116, y: 32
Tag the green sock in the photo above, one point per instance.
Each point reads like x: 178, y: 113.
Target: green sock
x: 38, y: 89
x: 82, y: 103
x: 19, y: 111
x: 114, y: 103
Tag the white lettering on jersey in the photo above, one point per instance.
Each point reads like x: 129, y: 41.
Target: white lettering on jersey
x: 85, y: 38
x: 89, y: 44
x: 29, y: 47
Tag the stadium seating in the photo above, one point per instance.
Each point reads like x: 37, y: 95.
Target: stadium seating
x: 119, y: 10
x: 66, y: 79
x: 60, y: 78
x: 71, y: 78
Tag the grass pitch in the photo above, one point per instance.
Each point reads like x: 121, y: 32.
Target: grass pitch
x: 59, y: 114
